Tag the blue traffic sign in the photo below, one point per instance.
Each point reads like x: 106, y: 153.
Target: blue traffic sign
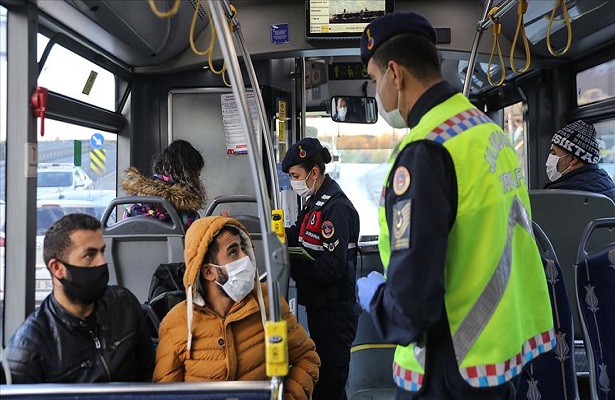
x: 97, y: 141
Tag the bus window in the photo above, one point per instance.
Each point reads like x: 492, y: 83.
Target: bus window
x: 3, y: 83
x: 516, y: 128
x: 360, y: 153
x: 606, y: 141
x: 596, y: 84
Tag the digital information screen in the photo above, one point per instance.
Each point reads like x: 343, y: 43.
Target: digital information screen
x: 343, y: 18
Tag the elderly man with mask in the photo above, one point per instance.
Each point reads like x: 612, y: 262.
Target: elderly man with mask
x: 84, y: 331
x: 573, y: 161
x: 217, y: 333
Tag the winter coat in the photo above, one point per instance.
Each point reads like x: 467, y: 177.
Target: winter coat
x: 185, y: 201
x: 589, y: 178
x: 233, y: 347
x: 111, y: 345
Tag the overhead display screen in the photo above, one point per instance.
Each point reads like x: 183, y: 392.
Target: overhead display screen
x: 342, y: 18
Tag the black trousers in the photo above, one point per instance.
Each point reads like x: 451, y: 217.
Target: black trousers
x: 333, y: 330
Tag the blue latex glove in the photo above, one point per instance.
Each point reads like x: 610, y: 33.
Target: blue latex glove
x: 367, y: 288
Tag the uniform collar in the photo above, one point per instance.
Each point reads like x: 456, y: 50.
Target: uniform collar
x: 428, y: 100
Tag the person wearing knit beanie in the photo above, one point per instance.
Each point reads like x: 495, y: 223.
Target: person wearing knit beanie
x: 573, y: 161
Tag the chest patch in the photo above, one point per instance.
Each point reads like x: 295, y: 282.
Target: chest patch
x: 327, y: 229
x: 402, y: 212
x: 401, y: 180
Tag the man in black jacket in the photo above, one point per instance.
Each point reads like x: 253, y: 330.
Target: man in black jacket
x: 84, y: 331
x: 573, y: 161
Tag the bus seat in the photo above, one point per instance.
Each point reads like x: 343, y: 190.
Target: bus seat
x: 552, y: 375
x: 136, y: 246
x: 152, y: 321
x: 563, y: 215
x: 595, y: 280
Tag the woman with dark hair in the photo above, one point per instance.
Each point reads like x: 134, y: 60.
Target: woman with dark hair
x: 328, y: 229
x: 176, y: 178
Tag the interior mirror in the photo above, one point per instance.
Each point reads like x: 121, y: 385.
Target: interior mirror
x: 354, y: 109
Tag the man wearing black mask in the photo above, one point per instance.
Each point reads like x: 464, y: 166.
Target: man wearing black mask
x: 84, y: 331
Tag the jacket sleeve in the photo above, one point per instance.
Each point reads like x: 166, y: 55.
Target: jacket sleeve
x: 145, y: 355
x: 331, y: 265
x: 24, y: 362
x: 302, y: 358
x: 412, y: 299
x: 169, y: 366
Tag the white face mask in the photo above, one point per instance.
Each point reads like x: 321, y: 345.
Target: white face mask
x: 551, y: 165
x: 301, y: 187
x: 240, y: 278
x: 393, y: 118
x: 341, y: 113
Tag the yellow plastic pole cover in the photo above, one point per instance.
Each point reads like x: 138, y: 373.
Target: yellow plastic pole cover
x: 276, y: 348
x: 277, y: 224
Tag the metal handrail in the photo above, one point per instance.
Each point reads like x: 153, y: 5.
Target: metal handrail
x: 484, y: 23
x: 247, y: 60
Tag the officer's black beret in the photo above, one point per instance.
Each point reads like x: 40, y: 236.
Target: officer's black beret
x: 301, y: 151
x: 384, y: 28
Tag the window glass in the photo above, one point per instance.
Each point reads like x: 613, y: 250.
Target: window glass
x: 360, y: 153
x: 69, y: 74
x: 76, y: 165
x: 515, y: 127
x: 597, y: 83
x: 606, y: 142
x: 3, y: 82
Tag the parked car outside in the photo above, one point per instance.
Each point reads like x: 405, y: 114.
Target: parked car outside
x: 60, y: 177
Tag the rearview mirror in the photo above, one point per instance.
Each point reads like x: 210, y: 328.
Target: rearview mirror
x: 354, y: 109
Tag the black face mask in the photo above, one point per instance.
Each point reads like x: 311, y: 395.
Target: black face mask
x: 87, y: 284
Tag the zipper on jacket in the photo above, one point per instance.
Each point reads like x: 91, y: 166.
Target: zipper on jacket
x: 83, y: 365
x: 100, y: 355
x: 118, y: 342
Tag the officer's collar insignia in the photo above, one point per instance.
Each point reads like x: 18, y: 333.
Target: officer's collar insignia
x: 302, y: 152
x: 370, y: 40
x: 401, y: 180
x: 327, y: 229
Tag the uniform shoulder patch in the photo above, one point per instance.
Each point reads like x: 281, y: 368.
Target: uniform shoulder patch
x: 401, y: 180
x: 402, y: 214
x: 327, y: 229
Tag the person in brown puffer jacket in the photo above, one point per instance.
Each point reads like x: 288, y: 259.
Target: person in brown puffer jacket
x: 217, y: 333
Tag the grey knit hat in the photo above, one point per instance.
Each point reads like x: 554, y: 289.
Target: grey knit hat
x: 579, y: 139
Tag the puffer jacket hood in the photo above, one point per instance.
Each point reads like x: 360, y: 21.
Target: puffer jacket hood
x: 181, y: 197
x: 197, y: 241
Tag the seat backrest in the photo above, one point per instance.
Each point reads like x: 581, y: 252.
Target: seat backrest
x: 136, y: 246
x: 563, y: 215
x: 552, y: 375
x: 595, y: 282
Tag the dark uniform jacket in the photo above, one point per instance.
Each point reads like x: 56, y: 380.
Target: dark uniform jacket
x: 329, y: 231
x: 112, y: 344
x: 421, y: 317
x: 589, y: 178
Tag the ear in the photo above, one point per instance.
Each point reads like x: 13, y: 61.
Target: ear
x: 397, y: 73
x: 57, y: 269
x: 207, y: 271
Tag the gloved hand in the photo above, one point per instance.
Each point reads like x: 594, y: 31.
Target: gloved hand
x: 367, y: 288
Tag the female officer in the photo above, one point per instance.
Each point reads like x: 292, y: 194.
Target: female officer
x: 328, y: 228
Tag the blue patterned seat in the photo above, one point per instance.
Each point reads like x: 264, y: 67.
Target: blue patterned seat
x: 552, y: 376
x: 595, y: 284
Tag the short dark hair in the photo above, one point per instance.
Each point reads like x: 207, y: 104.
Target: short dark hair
x: 211, y: 256
x: 57, y: 239
x: 414, y: 52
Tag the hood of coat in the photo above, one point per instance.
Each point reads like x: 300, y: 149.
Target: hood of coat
x: 197, y: 241
x: 180, y: 196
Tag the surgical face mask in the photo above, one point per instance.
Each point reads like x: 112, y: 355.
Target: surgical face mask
x: 301, y: 187
x: 86, y: 284
x: 551, y: 166
x: 240, y: 280
x: 341, y: 113
x: 394, y: 117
